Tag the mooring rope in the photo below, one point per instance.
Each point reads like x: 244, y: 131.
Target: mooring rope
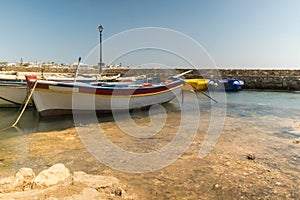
x: 25, y: 105
x: 198, y: 90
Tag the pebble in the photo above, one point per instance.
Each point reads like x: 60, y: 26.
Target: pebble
x: 250, y: 156
x: 277, y: 183
x: 296, y: 141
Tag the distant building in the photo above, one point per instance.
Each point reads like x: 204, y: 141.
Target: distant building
x: 3, y: 64
x: 11, y: 64
x: 115, y: 66
x: 81, y: 65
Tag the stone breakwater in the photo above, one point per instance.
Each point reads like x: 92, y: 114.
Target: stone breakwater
x: 288, y: 80
x: 267, y: 79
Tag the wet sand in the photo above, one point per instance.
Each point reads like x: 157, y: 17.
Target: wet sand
x: 225, y: 173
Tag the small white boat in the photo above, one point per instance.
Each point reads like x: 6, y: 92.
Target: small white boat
x: 12, y: 94
x: 13, y: 87
x: 12, y: 77
x: 53, y: 98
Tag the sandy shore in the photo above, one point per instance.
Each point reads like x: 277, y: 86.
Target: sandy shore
x: 226, y: 173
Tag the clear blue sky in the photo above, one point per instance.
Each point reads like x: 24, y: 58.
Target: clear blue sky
x: 236, y: 33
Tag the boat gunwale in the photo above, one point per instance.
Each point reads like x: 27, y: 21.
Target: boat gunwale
x: 110, y: 92
x: 86, y: 85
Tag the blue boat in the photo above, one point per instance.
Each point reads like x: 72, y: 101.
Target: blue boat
x: 226, y: 84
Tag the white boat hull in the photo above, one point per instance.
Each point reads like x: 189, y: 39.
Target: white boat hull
x: 56, y: 98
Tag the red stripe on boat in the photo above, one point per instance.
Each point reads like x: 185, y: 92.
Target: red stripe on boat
x: 126, y: 91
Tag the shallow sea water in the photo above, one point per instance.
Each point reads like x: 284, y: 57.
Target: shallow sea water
x: 274, y: 113
x: 265, y: 123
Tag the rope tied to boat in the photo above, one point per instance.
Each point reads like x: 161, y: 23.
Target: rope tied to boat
x: 197, y: 90
x: 26, y: 103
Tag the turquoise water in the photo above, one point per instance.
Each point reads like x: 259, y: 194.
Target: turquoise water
x: 251, y: 103
x: 274, y: 113
x: 273, y: 100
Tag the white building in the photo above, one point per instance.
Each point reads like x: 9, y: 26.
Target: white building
x: 81, y: 65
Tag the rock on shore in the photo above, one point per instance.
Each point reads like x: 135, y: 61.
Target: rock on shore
x: 58, y: 182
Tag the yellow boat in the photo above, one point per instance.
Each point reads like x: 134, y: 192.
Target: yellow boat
x: 196, y: 84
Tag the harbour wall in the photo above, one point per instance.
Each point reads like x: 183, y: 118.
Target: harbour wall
x: 288, y: 80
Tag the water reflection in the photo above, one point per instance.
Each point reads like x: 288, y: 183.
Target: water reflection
x: 30, y: 122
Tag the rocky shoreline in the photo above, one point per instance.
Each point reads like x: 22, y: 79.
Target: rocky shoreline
x: 58, y: 182
x: 241, y: 166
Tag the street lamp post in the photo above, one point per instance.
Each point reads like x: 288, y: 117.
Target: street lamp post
x: 100, y: 28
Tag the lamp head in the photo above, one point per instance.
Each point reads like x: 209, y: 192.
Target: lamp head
x: 100, y: 28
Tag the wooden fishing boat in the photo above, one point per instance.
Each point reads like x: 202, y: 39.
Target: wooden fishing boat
x: 226, y: 84
x: 52, y: 98
x: 196, y: 84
